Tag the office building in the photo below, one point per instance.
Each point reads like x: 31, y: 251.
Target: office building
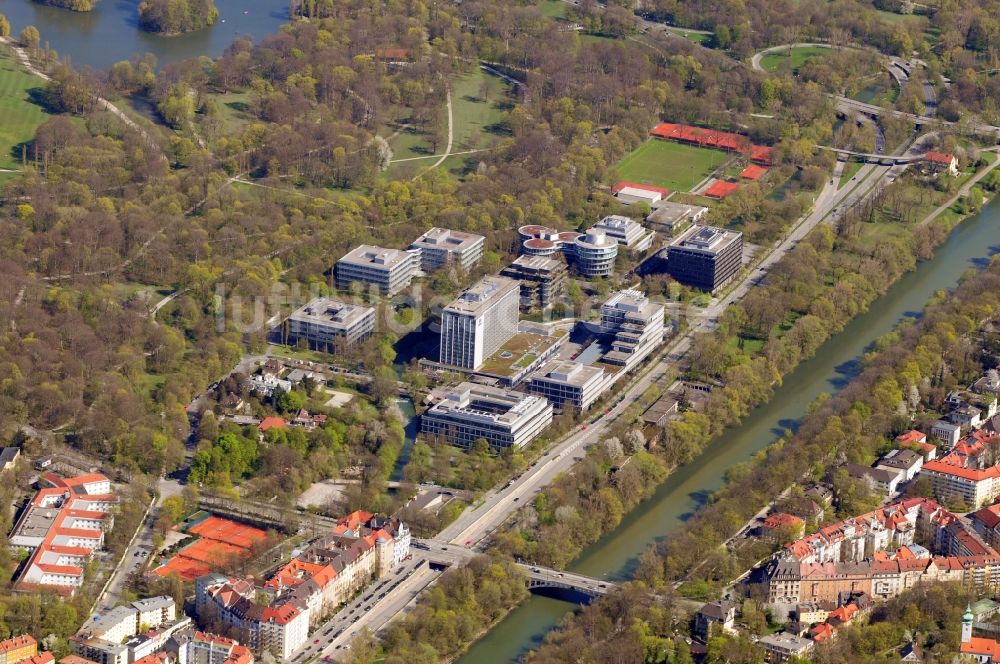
x: 391, y: 270
x: 544, y: 241
x: 504, y: 418
x: 705, y: 257
x: 570, y: 385
x: 327, y: 325
x: 479, y: 321
x: 637, y: 325
x: 594, y: 254
x: 627, y: 233
x: 669, y: 217
x: 542, y: 280
x: 439, y: 247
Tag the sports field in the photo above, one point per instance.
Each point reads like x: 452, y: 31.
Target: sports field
x: 792, y: 58
x: 222, y: 541
x: 19, y: 115
x: 676, y: 166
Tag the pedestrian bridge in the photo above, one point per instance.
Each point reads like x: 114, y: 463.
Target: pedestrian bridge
x: 539, y: 580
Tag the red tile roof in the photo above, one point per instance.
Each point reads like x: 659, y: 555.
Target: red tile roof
x: 911, y: 436
x: 945, y: 468
x: 980, y: 646
x: 780, y: 520
x: 273, y: 423
x: 17, y: 642
x: 940, y: 157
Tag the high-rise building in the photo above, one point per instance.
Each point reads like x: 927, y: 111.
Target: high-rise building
x: 326, y: 324
x: 479, y: 321
x: 503, y: 418
x: 391, y: 270
x: 705, y: 257
x: 439, y: 247
x: 542, y: 280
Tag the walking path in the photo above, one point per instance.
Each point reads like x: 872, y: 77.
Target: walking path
x: 451, y: 137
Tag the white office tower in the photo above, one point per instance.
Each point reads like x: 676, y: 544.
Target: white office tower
x: 479, y: 321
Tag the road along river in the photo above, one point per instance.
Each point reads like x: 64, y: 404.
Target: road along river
x: 615, y: 555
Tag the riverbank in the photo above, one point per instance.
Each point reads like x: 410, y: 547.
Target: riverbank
x: 690, y: 487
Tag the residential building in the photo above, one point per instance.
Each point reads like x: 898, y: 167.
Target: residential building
x: 637, y: 325
x: 668, y: 217
x: 705, y: 257
x: 479, y: 322
x: 128, y: 633
x: 882, y: 481
x: 966, y: 416
x: 62, y: 527
x: 391, y: 270
x: 986, y: 522
x: 329, y: 325
x: 154, y: 611
x: 629, y: 234
x: 207, y: 648
x: 542, y: 279
x: 633, y: 192
x: 781, y: 527
x: 779, y: 647
x: 953, y: 481
x: 907, y: 462
x: 946, y: 432
x: 440, y: 247
x: 941, y: 162
x: 713, y: 618
x: 594, y: 254
x: 504, y: 418
x: 570, y: 385
x: 18, y: 648
x: 917, y: 441
x: 8, y: 458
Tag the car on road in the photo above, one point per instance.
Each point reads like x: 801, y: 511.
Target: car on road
x: 468, y: 542
x: 316, y: 641
x: 586, y: 426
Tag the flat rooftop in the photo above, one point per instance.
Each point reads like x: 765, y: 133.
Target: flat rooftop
x: 616, y: 223
x: 538, y: 263
x: 447, y: 239
x: 478, y: 298
x: 368, y: 255
x: 501, y: 405
x: 37, y: 522
x: 520, y: 352
x: 569, y: 373
x: 668, y: 212
x: 330, y: 312
x: 707, y: 239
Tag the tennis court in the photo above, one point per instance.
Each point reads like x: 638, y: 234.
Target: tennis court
x: 229, y: 532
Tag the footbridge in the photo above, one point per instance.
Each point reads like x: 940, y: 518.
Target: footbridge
x: 539, y: 579
x: 880, y: 159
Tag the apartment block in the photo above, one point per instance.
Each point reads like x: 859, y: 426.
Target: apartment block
x: 17, y: 649
x: 705, y: 257
x: 440, y: 247
x: 542, y: 280
x: 504, y: 418
x: 391, y: 270
x: 328, y: 325
x: 479, y: 322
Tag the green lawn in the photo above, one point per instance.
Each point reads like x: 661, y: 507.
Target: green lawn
x: 676, y: 166
x: 553, y: 8
x: 19, y: 116
x: 696, y: 37
x: 233, y: 107
x: 851, y: 169
x: 792, y: 58
x: 894, y: 18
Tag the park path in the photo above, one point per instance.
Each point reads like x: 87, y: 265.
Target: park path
x: 451, y: 138
x: 101, y: 101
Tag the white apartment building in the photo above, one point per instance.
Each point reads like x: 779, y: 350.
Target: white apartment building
x: 477, y: 323
x: 327, y: 324
x: 439, y: 247
x: 503, y: 418
x: 154, y: 611
x: 637, y: 325
x: 391, y: 270
x: 570, y: 384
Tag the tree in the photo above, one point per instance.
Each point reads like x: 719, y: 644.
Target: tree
x: 30, y: 37
x: 4, y: 26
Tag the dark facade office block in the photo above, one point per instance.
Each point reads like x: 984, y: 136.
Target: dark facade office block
x: 705, y: 257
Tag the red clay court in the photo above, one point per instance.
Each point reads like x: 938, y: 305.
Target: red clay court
x: 720, y: 189
x: 753, y: 172
x: 228, y: 532
x: 220, y: 541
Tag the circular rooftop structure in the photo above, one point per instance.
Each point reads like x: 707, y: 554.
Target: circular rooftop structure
x: 533, y: 230
x: 536, y: 246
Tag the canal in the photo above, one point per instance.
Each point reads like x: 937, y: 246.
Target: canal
x: 615, y: 555
x: 110, y: 32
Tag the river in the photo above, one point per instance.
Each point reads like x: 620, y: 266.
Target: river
x: 110, y: 32
x: 614, y: 556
